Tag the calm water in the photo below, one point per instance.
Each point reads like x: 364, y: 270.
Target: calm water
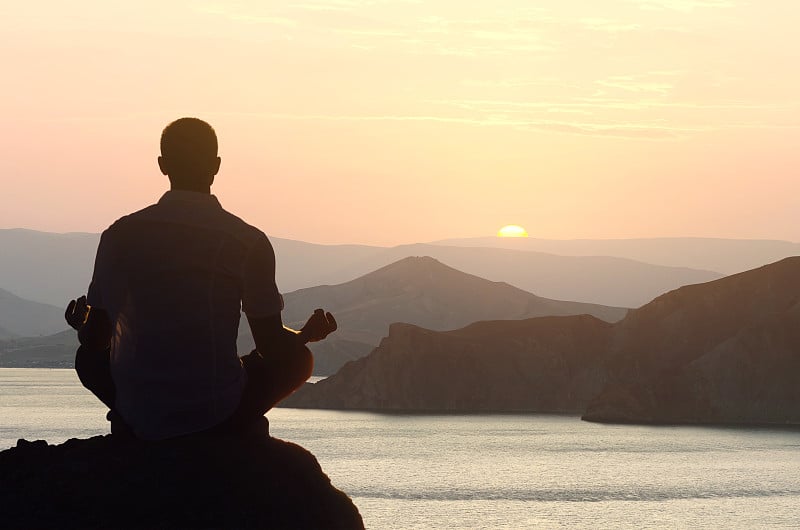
x: 494, y: 471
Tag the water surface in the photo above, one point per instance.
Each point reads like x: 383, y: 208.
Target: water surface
x: 492, y: 471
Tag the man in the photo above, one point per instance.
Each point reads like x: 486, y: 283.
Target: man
x: 158, y: 345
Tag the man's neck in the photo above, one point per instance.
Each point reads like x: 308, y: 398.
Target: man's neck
x: 196, y: 189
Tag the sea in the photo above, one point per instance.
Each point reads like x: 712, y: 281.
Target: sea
x: 492, y: 470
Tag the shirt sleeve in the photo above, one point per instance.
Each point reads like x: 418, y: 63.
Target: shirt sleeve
x: 260, y: 297
x: 102, y: 262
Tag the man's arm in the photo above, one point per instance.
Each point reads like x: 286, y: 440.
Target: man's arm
x: 95, y: 334
x: 273, y: 338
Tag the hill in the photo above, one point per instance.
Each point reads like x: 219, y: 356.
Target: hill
x: 599, y: 280
x: 24, y: 318
x: 726, y: 351
x: 547, y: 364
x: 420, y: 291
x: 51, y: 351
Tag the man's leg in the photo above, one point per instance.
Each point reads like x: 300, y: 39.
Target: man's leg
x: 269, y: 380
x: 94, y: 371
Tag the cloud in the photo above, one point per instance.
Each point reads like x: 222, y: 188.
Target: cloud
x: 685, y: 6
x: 249, y: 18
x: 651, y: 131
x: 608, y: 26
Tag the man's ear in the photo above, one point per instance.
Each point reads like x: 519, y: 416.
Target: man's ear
x: 162, y: 165
x: 215, y: 168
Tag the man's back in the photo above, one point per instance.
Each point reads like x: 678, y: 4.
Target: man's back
x: 173, y: 278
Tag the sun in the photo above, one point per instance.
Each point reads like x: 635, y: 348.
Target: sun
x: 512, y: 231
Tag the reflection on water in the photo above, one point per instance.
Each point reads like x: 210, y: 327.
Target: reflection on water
x: 492, y: 471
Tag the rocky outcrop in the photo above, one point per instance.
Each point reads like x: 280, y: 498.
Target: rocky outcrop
x: 549, y: 364
x: 192, y: 482
x: 726, y: 351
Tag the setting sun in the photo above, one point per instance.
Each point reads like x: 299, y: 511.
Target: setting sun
x: 512, y: 231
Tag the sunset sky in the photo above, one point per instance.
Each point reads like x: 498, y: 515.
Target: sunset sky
x: 387, y: 122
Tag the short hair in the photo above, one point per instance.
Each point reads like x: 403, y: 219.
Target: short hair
x: 187, y: 141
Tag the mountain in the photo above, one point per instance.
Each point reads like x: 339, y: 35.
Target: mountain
x: 727, y: 351
x: 55, y: 268
x: 23, y: 318
x: 599, y: 280
x: 547, y: 364
x: 423, y: 291
x: 45, y: 267
x: 414, y: 290
x: 727, y: 256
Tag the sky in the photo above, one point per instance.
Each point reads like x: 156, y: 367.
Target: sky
x: 390, y: 122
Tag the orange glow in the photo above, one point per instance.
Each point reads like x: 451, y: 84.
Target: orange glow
x: 613, y: 119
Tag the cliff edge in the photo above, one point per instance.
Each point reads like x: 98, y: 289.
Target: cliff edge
x: 193, y: 482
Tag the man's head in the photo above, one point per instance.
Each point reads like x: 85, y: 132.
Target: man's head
x: 189, y: 154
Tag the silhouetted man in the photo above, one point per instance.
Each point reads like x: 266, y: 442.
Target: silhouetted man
x: 158, y: 346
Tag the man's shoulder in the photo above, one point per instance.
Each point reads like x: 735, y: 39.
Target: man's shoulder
x: 127, y: 220
x: 242, y: 229
x: 217, y: 219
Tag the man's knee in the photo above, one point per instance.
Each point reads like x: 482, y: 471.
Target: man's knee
x: 94, y: 372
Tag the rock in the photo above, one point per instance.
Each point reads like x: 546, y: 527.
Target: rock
x: 548, y: 364
x: 190, y: 482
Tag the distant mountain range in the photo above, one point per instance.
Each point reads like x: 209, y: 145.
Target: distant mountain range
x: 727, y: 351
x: 418, y: 290
x: 726, y: 256
x: 53, y: 268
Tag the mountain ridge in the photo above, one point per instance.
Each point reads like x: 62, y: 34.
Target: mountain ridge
x: 726, y: 351
x: 53, y: 268
x: 723, y: 255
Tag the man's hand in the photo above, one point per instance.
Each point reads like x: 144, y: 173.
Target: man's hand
x: 319, y: 326
x: 92, y: 324
x: 76, y: 313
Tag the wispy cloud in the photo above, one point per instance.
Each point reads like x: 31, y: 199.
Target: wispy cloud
x: 651, y: 131
x: 686, y: 6
x: 608, y: 25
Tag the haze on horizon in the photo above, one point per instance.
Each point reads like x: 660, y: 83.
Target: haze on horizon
x: 392, y: 122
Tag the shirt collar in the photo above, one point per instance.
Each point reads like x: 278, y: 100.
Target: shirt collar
x: 189, y: 196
